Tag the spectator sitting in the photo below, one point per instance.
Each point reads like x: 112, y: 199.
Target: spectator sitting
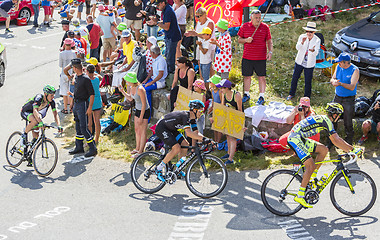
x: 66, y: 11
x: 118, y: 54
x: 373, y: 124
x: 142, y: 114
x: 151, y: 41
x: 206, y: 53
x: 185, y: 75
x: 216, y: 98
x: 156, y: 77
x: 199, y: 87
x: 302, y: 111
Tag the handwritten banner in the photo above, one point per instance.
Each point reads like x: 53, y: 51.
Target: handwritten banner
x: 183, y: 98
x: 228, y: 121
x: 217, y: 9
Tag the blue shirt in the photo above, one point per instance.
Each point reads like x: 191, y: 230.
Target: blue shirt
x: 97, y: 99
x: 45, y: 3
x: 105, y: 24
x: 35, y: 2
x: 344, y: 76
x: 173, y: 34
x: 6, y: 5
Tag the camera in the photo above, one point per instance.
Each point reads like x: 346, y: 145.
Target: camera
x: 300, y: 108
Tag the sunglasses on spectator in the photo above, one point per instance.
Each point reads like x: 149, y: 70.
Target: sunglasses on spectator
x: 198, y: 16
x: 309, y: 32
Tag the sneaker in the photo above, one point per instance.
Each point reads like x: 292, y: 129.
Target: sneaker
x: 228, y: 162
x: 35, y: 25
x: 30, y: 162
x: 246, y: 98
x: 8, y: 30
x: 159, y: 175
x: 48, y: 24
x: 302, y: 201
x: 23, y: 140
x: 225, y: 156
x: 261, y: 101
x: 363, y: 139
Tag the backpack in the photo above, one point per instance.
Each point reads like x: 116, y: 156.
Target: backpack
x: 141, y: 71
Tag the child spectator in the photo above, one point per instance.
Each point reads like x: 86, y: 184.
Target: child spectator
x: 216, y: 98
x: 206, y: 50
x: 223, y: 53
x: 199, y: 87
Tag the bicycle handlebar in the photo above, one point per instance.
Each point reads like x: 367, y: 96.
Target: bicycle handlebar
x: 353, y: 158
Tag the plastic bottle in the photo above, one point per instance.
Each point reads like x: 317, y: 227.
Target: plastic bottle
x: 180, y: 161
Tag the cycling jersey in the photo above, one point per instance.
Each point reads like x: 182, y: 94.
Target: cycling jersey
x: 39, y: 103
x: 310, y: 126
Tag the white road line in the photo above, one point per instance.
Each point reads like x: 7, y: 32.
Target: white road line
x: 253, y: 199
x: 44, y: 36
x: 23, y: 45
x: 294, y: 230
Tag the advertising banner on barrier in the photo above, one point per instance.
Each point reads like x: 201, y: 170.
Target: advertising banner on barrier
x: 228, y: 121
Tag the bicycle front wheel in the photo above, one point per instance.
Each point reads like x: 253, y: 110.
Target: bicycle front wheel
x: 143, y: 172
x: 45, y: 157
x: 278, y: 192
x: 14, y: 152
x: 206, y: 178
x: 353, y: 201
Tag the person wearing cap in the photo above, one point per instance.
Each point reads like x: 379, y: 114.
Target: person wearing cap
x: 65, y: 27
x: 150, y: 41
x: 65, y: 58
x: 308, y: 48
x: 66, y: 11
x: 300, y: 112
x: 171, y: 29
x: 199, y: 87
x: 258, y: 47
x: 84, y: 96
x: 84, y: 34
x: 36, y: 10
x: 216, y: 98
x: 231, y: 99
x: 94, y: 34
x: 223, y: 52
x: 106, y: 22
x: 345, y: 80
x: 206, y: 53
x: 184, y: 75
x: 142, y: 114
x: 5, y: 7
x: 120, y: 10
x: 149, y: 11
x: 128, y: 46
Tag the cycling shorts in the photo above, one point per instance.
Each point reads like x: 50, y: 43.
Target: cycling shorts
x: 26, y: 115
x: 169, y: 137
x: 303, y: 147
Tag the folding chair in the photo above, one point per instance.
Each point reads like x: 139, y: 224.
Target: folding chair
x: 322, y: 61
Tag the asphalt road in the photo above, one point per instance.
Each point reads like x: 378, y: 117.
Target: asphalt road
x: 96, y: 199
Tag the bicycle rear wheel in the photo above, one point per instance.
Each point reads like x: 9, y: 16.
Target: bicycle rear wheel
x: 278, y: 192
x: 356, y: 202
x: 206, y: 178
x: 143, y: 172
x: 45, y: 157
x: 14, y: 152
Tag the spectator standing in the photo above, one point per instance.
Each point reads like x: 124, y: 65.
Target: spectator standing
x: 65, y: 27
x: 223, y: 52
x: 345, y: 80
x: 95, y: 32
x: 231, y: 99
x: 65, y: 58
x: 97, y: 106
x: 156, y: 77
x: 105, y: 22
x: 216, y: 98
x: 132, y: 8
x: 308, y: 45
x: 36, y: 10
x: 5, y: 7
x: 203, y: 21
x: 180, y: 12
x: 47, y: 11
x: 258, y: 47
x: 84, y: 34
x: 142, y: 114
x: 172, y: 33
x: 184, y: 74
x: 199, y: 87
x: 83, y: 91
x: 149, y: 11
x: 80, y: 6
x: 93, y: 7
x: 373, y: 124
x: 206, y: 53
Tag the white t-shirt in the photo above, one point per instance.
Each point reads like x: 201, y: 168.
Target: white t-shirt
x: 180, y: 14
x: 159, y: 64
x: 206, y: 58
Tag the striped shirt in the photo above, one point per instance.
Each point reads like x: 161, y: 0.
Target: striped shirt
x: 257, y: 49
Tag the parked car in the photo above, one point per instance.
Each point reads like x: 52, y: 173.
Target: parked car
x: 25, y: 10
x: 362, y: 41
x: 3, y: 64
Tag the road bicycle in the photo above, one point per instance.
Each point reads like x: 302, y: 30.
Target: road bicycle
x: 42, y: 153
x: 206, y: 176
x: 352, y: 192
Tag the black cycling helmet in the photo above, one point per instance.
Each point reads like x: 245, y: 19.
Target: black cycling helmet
x: 334, y: 108
x: 48, y: 89
x: 196, y: 104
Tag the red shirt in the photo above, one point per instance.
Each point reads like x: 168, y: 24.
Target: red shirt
x: 257, y: 49
x: 94, y: 31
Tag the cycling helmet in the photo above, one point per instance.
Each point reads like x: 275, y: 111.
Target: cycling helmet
x: 334, y: 108
x: 361, y: 108
x: 196, y: 104
x: 48, y: 89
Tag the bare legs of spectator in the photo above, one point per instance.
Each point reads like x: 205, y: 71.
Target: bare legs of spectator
x: 96, y: 115
x: 231, y: 143
x: 217, y: 136
x: 247, y: 83
x: 65, y: 102
x: 140, y: 131
x: 93, y: 10
x: 262, y: 84
x: 7, y: 22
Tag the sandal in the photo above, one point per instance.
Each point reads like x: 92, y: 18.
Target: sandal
x: 135, y: 155
x: 64, y: 111
x: 134, y: 151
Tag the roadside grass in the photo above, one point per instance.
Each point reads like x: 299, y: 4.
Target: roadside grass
x: 279, y: 74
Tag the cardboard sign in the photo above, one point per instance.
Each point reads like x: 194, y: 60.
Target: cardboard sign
x: 183, y: 98
x: 228, y: 121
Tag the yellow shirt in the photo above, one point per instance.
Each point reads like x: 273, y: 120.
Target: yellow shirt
x: 128, y: 50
